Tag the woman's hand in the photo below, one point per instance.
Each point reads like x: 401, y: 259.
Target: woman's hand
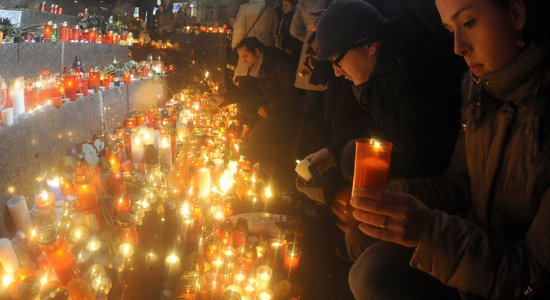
x: 397, y: 218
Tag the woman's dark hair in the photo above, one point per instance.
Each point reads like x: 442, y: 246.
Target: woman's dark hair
x: 251, y: 44
x: 537, y: 22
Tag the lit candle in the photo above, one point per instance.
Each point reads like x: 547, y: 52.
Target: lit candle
x: 85, y: 191
x: 172, y: 264
x: 265, y: 295
x: 239, y: 278
x: 48, y: 31
x: 17, y: 96
x: 372, y: 164
x: 137, y: 147
x: 126, y: 78
x: 20, y: 215
x: 55, y: 187
x: 302, y: 169
x: 92, y: 35
x: 126, y: 250
x: 70, y: 85
x: 102, y: 285
x: 148, y: 135
x: 203, y: 179
x: 79, y: 234
x: 263, y: 276
x: 93, y: 244
x: 57, y: 253
x: 165, y: 150
x: 45, y: 203
x: 292, y: 257
x: 8, y: 258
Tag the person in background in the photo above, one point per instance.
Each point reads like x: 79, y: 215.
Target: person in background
x: 499, y: 249
x: 302, y: 27
x: 283, y: 39
x: 267, y: 101
x: 263, y: 29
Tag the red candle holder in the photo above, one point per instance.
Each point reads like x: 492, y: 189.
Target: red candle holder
x: 57, y: 252
x: 372, y: 165
x: 94, y: 80
x: 84, y: 183
x: 67, y: 186
x: 48, y: 31
x: 70, y: 86
x: 113, y: 157
x: 105, y: 82
x: 75, y: 34
x: 64, y: 32
x: 127, y: 232
x: 92, y: 35
x: 292, y: 257
x: 126, y: 78
x: 109, y: 38
x: 130, y: 122
x: 45, y: 203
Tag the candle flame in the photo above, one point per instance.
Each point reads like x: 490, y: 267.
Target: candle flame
x: 44, y: 195
x: 172, y: 259
x: 165, y: 142
x: 7, y: 280
x: 268, y: 194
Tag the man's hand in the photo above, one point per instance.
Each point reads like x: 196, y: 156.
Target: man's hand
x: 323, y: 160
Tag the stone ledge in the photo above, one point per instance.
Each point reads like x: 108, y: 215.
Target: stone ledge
x: 37, y: 143
x: 27, y: 59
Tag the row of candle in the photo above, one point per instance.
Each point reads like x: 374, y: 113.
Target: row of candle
x: 64, y: 33
x: 30, y: 95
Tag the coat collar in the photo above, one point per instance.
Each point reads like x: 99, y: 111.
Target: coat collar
x: 515, y: 82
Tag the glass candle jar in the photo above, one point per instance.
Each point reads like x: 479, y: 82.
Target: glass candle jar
x: 57, y: 252
x: 127, y: 232
x: 85, y: 190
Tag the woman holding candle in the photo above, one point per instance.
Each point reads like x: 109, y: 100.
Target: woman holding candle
x: 501, y: 249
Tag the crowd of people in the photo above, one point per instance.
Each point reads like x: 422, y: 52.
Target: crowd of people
x: 462, y: 90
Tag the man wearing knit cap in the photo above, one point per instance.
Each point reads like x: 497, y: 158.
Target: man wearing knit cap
x: 407, y: 84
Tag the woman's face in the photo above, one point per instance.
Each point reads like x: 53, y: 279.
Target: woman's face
x: 286, y: 7
x: 485, y: 34
x: 249, y: 58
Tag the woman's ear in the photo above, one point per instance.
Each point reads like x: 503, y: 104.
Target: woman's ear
x: 257, y: 51
x: 519, y: 14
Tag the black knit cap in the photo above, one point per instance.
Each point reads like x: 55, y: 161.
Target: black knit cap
x: 347, y: 24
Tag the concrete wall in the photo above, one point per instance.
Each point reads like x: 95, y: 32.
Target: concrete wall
x: 22, y: 59
x: 37, y: 143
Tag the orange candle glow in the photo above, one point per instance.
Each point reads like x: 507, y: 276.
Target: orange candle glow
x: 70, y: 86
x: 292, y: 256
x: 127, y: 232
x: 57, y: 253
x: 92, y: 35
x: 126, y: 78
x: 85, y: 190
x: 45, y: 203
x: 372, y: 165
x: 48, y: 31
x: 94, y: 80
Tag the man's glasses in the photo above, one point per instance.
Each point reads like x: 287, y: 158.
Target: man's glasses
x: 355, y: 44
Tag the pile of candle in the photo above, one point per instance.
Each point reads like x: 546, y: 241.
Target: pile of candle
x: 174, y: 182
